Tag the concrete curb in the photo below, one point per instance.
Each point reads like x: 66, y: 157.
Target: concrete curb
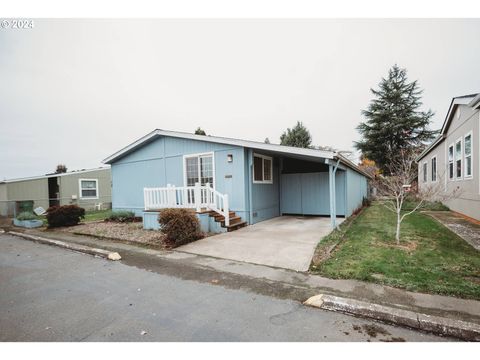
x: 70, y: 246
x: 434, y: 324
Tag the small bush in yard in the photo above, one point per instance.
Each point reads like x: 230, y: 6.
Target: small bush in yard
x: 26, y: 215
x: 67, y: 215
x: 121, y: 216
x: 180, y: 226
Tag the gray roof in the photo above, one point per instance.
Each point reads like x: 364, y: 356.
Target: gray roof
x: 280, y: 149
x: 46, y: 176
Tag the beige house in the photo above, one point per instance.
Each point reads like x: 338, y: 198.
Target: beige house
x: 90, y: 189
x: 453, y: 159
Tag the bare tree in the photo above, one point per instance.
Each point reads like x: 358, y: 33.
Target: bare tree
x: 393, y: 190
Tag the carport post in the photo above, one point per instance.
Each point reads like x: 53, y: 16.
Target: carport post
x: 332, y: 170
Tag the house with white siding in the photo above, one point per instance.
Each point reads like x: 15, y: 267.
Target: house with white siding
x: 453, y: 160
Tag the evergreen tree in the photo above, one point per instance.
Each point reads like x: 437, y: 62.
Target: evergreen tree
x: 61, y: 168
x: 200, y: 131
x: 267, y: 141
x: 298, y: 136
x: 394, y: 121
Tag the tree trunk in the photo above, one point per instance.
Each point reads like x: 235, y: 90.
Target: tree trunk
x: 397, y: 233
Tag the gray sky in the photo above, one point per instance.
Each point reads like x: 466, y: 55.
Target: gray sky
x: 75, y: 91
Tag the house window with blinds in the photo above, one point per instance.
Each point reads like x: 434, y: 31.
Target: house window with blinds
x: 468, y: 155
x: 450, y: 162
x: 88, y: 188
x: 458, y: 159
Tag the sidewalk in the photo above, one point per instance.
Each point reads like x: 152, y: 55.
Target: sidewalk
x: 276, y: 282
x: 467, y: 229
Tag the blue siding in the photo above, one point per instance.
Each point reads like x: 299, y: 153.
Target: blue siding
x: 160, y: 162
x: 356, y: 190
x: 309, y: 193
x: 266, y: 197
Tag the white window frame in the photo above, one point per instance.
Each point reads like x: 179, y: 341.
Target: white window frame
x: 425, y: 171
x: 80, y: 189
x: 459, y: 140
x: 198, y: 155
x: 452, y: 178
x: 465, y: 175
x: 436, y: 169
x: 264, y: 157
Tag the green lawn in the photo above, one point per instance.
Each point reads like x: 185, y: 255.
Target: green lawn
x: 431, y: 258
x: 96, y: 215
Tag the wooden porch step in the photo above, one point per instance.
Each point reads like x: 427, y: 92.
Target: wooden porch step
x: 236, y: 226
x: 215, y: 214
x: 233, y: 220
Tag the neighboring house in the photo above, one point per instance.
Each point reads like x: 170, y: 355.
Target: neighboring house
x: 251, y: 181
x: 453, y: 160
x: 89, y: 189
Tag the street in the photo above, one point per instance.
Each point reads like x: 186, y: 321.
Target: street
x: 51, y: 294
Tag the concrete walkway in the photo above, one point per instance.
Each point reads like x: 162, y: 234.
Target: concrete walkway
x: 463, y: 227
x: 287, y: 242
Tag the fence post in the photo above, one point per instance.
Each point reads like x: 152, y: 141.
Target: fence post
x: 207, y: 194
x: 170, y: 194
x: 145, y: 199
x: 225, y: 210
x: 198, y: 197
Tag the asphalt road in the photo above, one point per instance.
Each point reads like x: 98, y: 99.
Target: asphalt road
x: 51, y: 294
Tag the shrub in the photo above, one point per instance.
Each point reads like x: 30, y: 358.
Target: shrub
x: 26, y: 215
x: 121, y: 216
x: 180, y: 226
x: 67, y: 215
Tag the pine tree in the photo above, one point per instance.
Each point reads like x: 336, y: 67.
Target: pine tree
x: 394, y: 121
x: 298, y: 136
x: 267, y: 141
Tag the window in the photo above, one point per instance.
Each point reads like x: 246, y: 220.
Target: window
x: 468, y: 155
x: 425, y: 172
x: 262, y: 169
x: 88, y: 188
x: 199, y: 168
x: 434, y: 168
x: 458, y: 158
x: 450, y: 162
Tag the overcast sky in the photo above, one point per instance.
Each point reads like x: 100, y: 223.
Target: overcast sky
x: 75, y: 91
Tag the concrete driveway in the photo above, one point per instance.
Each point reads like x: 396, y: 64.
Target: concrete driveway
x: 286, y: 242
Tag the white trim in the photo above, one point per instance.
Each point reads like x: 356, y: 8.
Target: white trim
x: 75, y: 172
x: 465, y: 176
x: 459, y: 140
x: 198, y: 155
x: 436, y: 169
x: 80, y: 189
x: 263, y: 157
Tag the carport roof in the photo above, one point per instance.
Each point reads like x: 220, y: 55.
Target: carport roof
x: 279, y: 149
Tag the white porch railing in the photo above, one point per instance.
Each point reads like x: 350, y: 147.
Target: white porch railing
x: 194, y: 197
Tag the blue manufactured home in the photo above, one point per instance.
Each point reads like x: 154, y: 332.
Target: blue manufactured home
x: 235, y: 182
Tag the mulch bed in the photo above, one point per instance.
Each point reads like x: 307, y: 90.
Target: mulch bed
x: 131, y: 232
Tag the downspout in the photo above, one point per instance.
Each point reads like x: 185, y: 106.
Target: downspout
x: 332, y: 170
x: 250, y: 180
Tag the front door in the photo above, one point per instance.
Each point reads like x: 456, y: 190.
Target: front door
x: 199, y: 169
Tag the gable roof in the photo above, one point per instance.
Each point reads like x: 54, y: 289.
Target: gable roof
x: 281, y: 149
x: 472, y: 100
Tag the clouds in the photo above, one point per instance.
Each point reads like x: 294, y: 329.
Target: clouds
x: 75, y: 91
